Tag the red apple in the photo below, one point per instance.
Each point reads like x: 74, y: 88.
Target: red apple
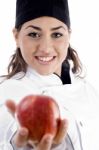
x: 39, y: 114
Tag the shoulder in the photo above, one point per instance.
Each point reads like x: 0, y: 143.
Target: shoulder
x: 15, y: 88
x: 91, y: 90
x: 17, y: 76
x: 86, y: 87
x: 2, y: 79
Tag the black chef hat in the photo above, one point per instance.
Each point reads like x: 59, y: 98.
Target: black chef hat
x: 27, y: 10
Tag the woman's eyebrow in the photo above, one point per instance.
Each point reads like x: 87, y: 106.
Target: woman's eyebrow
x: 56, y: 28
x: 39, y: 29
x: 34, y: 27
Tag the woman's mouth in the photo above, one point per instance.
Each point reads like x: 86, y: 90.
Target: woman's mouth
x: 45, y: 59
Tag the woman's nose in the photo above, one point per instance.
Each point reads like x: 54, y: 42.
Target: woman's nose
x: 45, y: 45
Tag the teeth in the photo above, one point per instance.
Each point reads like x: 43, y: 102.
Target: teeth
x: 45, y: 58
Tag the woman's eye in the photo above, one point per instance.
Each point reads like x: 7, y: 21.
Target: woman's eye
x: 34, y: 34
x: 57, y: 35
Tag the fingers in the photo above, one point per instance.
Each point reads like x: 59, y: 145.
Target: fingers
x: 11, y: 106
x: 21, y: 137
x: 62, y: 132
x: 45, y: 143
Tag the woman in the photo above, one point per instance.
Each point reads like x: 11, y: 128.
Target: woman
x: 45, y: 63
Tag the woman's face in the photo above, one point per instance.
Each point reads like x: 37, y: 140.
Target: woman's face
x: 43, y: 43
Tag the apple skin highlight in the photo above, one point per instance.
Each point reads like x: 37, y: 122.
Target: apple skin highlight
x: 39, y: 114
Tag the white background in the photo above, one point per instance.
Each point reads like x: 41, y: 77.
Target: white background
x: 84, y: 37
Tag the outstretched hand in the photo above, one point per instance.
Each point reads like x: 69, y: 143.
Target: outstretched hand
x: 21, y: 137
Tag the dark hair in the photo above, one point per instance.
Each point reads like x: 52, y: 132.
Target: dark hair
x: 17, y: 63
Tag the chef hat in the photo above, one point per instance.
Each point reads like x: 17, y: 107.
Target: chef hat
x: 27, y: 10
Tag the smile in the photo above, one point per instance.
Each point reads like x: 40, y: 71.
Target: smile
x: 45, y: 59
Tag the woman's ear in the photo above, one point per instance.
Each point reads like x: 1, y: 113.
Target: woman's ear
x: 69, y: 36
x: 16, y: 35
x: 70, y: 31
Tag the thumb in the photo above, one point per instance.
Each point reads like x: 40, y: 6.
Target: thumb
x: 11, y: 106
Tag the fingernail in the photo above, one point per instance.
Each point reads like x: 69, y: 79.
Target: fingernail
x: 23, y: 132
x: 49, y: 138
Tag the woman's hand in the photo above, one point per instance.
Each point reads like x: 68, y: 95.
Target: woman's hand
x: 21, y: 137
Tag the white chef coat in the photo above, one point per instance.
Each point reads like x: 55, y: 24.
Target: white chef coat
x: 79, y: 103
